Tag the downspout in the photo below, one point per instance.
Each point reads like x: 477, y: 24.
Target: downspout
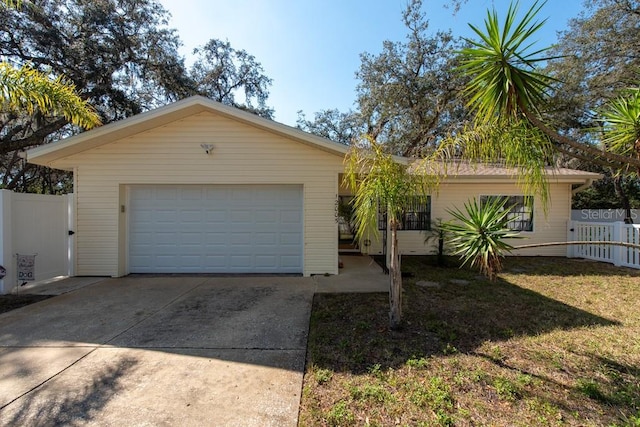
x: 583, y: 187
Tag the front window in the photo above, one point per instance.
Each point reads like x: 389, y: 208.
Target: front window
x: 416, y: 216
x: 520, y: 211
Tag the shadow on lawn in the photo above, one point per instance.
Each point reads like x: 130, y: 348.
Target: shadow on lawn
x: 350, y: 332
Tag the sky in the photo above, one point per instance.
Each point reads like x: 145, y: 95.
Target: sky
x: 311, y: 48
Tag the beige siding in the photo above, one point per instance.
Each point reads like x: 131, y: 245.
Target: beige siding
x: 551, y: 227
x: 171, y: 154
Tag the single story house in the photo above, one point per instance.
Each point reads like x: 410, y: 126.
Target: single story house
x: 198, y: 187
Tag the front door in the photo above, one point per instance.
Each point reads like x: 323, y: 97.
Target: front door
x: 346, y: 226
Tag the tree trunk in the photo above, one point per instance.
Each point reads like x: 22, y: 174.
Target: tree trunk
x: 395, y: 276
x: 624, y: 198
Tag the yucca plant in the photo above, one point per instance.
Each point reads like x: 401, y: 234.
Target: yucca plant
x: 621, y: 123
x: 506, y: 87
x: 478, y: 234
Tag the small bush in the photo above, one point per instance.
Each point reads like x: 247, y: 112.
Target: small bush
x: 507, y: 389
x: 323, y: 376
x: 591, y: 389
x: 340, y: 415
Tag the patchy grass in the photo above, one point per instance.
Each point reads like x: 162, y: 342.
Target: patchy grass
x: 553, y: 342
x: 11, y: 302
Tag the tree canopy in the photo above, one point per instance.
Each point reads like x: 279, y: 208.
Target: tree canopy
x: 122, y: 58
x: 596, y: 61
x: 406, y: 94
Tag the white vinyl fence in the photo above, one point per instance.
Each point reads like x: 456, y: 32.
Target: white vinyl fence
x: 605, y: 232
x: 35, y: 224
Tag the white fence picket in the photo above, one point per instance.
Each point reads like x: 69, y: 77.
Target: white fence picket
x: 606, y: 232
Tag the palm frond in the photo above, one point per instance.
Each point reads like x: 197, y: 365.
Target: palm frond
x: 27, y: 89
x: 514, y: 145
x: 621, y: 124
x: 379, y: 180
x: 502, y: 65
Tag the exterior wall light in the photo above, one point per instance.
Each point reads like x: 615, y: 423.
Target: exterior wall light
x: 208, y: 148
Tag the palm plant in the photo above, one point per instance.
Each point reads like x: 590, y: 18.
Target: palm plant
x: 381, y: 182
x: 507, y: 90
x: 621, y: 123
x: 479, y: 237
x: 26, y: 89
x: 439, y: 235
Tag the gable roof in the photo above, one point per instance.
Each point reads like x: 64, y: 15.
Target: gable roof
x: 46, y: 154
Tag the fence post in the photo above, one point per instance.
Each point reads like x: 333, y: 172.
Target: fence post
x: 7, y: 259
x: 71, y: 241
x: 617, y: 250
x: 570, y: 238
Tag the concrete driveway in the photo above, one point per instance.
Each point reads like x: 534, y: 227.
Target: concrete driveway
x: 158, y: 351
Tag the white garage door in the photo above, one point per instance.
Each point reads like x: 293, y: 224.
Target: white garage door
x: 215, y: 229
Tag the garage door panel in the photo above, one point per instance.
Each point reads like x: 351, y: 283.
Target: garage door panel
x: 216, y: 216
x: 290, y: 239
x: 244, y: 216
x: 290, y: 217
x: 215, y: 239
x: 266, y: 261
x: 269, y: 239
x: 142, y: 216
x: 290, y: 261
x: 241, y: 239
x: 193, y: 238
x: 164, y: 238
x: 209, y: 228
x: 191, y: 194
x: 186, y: 261
x: 215, y: 262
x: 239, y: 261
x: 266, y: 216
x: 242, y: 196
x: 194, y: 216
x: 164, y: 216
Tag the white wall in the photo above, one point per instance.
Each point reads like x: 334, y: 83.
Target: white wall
x: 35, y: 224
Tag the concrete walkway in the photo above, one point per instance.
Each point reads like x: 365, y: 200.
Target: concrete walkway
x: 224, y: 351
x: 359, y: 274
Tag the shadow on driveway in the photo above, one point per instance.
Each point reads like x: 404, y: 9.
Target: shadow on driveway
x: 159, y: 350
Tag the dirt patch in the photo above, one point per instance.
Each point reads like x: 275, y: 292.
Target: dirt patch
x: 12, y: 302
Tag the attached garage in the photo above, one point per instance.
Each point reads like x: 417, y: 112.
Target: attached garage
x: 215, y: 229
x: 201, y: 187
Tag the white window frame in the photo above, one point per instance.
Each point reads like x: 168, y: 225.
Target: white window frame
x: 527, y: 209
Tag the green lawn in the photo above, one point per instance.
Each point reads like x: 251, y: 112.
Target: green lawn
x: 553, y: 342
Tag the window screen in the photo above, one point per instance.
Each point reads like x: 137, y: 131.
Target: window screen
x: 417, y: 215
x: 520, y: 211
